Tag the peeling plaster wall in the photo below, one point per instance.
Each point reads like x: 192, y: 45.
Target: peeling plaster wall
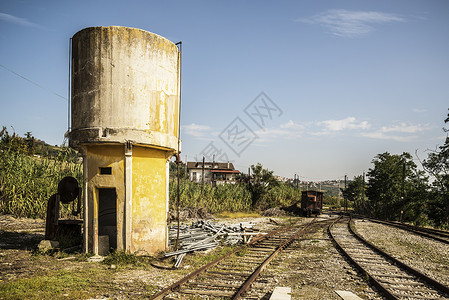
x: 149, y: 207
x: 124, y: 87
x: 106, y: 156
x: 149, y: 200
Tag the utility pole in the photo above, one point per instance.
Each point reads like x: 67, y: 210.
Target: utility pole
x: 185, y: 169
x: 402, y: 189
x: 339, y: 192
x: 202, y: 176
x: 345, y: 198
x: 363, y: 193
x: 213, y: 167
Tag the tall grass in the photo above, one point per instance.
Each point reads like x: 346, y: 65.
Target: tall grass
x: 284, y: 194
x: 227, y: 197
x: 27, y: 182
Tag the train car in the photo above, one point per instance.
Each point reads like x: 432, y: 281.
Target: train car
x: 311, y: 203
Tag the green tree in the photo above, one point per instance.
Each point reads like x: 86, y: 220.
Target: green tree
x: 173, y: 171
x: 30, y: 143
x: 259, y: 183
x: 396, y: 188
x: 354, y: 193
x: 12, y: 142
x: 437, y: 165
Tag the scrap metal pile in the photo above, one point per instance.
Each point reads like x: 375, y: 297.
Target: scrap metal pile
x: 204, y: 235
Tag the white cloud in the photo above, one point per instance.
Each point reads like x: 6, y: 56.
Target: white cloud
x: 293, y: 130
x: 406, y: 128
x: 348, y: 123
x: 276, y: 133
x: 18, y: 21
x: 401, y: 132
x: 292, y: 125
x: 289, y: 130
x: 320, y: 133
x: 345, y: 23
x: 381, y: 135
x: 417, y: 110
x: 196, y: 130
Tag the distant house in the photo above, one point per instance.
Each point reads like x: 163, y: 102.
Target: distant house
x: 213, y: 171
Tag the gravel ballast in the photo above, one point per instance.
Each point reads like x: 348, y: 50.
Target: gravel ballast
x: 426, y: 255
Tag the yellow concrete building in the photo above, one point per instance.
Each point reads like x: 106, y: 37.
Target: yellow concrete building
x: 125, y: 114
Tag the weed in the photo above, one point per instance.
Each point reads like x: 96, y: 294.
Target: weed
x: 242, y: 252
x: 151, y: 289
x: 26, y: 183
x: 74, y: 284
x: 200, y: 259
x: 121, y: 258
x: 235, y: 215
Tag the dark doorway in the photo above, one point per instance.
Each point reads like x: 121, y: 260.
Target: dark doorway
x: 107, y: 215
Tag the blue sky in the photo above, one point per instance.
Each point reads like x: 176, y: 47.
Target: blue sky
x: 341, y: 81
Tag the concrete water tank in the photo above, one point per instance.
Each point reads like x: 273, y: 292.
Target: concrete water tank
x: 125, y: 114
x: 124, y: 87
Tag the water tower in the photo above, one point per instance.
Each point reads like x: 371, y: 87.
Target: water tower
x: 124, y: 120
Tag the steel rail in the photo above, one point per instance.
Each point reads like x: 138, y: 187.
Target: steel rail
x: 427, y: 232
x: 247, y: 285
x: 371, y: 279
x: 438, y: 285
x: 382, y: 288
x: 195, y: 273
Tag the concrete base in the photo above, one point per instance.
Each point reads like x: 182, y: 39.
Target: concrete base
x: 96, y: 258
x: 281, y: 293
x: 47, y: 245
x: 103, y: 245
x: 346, y: 295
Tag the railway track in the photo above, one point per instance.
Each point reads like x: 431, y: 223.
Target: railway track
x: 233, y: 275
x: 392, y: 278
x: 438, y: 235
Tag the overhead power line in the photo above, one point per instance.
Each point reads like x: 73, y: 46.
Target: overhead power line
x: 35, y: 83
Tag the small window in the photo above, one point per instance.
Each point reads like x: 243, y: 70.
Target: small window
x: 106, y: 171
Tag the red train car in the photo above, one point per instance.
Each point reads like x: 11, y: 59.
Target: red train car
x: 311, y: 202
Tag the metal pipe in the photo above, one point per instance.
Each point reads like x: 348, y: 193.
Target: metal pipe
x: 179, y: 260
x: 205, y: 246
x: 177, y: 204
x: 69, y: 87
x: 178, y: 159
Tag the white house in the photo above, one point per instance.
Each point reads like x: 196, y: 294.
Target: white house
x: 213, y: 171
